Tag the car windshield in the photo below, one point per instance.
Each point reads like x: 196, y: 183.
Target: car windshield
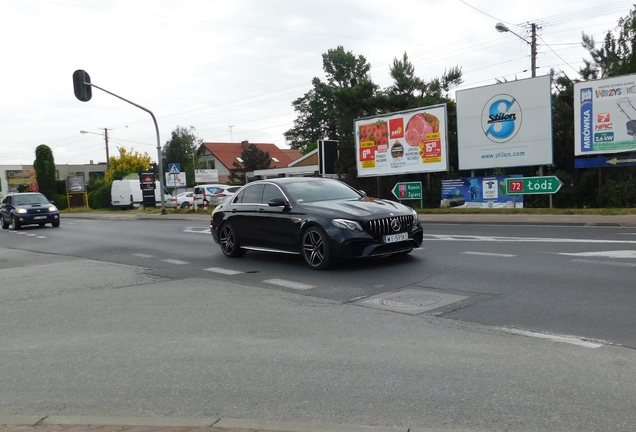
x: 321, y: 190
x: 30, y: 199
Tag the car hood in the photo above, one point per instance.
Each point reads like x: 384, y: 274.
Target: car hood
x: 363, y: 207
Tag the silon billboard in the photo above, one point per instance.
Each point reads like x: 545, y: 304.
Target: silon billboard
x: 605, y: 116
x: 413, y: 141
x: 505, y: 125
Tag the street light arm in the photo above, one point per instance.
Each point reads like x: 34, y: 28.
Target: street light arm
x: 159, y: 158
x: 502, y: 28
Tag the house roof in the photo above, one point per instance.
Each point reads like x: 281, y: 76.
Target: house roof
x: 227, y: 153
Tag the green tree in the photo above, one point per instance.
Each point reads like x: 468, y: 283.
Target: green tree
x: 328, y: 110
x: 182, y: 149
x: 253, y: 159
x: 44, y: 165
x: 615, y: 56
x: 127, y: 161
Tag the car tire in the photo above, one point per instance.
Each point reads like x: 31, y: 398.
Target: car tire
x: 229, y: 243
x: 15, y: 223
x: 5, y: 224
x: 315, y: 248
x: 55, y: 223
x: 185, y: 205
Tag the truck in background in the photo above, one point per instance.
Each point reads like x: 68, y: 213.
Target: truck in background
x: 127, y: 194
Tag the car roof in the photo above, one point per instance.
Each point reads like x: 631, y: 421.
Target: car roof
x: 284, y: 180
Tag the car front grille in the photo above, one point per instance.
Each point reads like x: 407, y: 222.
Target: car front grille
x: 388, y: 225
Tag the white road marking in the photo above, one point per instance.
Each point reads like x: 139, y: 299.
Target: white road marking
x: 607, y: 263
x: 174, y: 261
x: 289, y: 284
x: 489, y: 254
x: 444, y: 237
x: 607, y: 254
x: 223, y: 271
x: 556, y: 338
x: 143, y: 255
x: 198, y: 230
x: 41, y: 237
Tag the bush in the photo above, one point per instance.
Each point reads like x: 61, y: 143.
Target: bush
x: 100, y: 198
x: 60, y: 201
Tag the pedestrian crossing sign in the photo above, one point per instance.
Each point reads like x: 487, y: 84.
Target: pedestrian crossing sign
x: 174, y: 168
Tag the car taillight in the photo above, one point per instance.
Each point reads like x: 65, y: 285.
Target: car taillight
x: 131, y: 198
x: 221, y: 195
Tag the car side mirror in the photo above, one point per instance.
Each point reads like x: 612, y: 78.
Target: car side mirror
x: 278, y: 202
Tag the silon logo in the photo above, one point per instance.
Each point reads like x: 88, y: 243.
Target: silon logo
x: 501, y: 118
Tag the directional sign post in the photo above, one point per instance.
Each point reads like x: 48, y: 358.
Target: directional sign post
x: 408, y: 191
x: 533, y: 185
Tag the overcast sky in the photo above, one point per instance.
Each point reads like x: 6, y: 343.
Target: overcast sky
x: 232, y: 68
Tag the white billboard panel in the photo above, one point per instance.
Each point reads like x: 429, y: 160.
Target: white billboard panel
x: 413, y: 141
x: 605, y: 116
x: 505, y: 125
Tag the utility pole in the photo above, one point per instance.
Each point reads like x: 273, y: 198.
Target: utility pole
x: 107, y: 155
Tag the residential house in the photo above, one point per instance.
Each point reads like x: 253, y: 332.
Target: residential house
x: 221, y: 156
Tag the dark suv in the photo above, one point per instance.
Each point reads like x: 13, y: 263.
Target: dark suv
x: 28, y: 208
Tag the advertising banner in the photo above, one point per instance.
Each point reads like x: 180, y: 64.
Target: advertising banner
x: 505, y: 125
x: 15, y: 178
x: 404, y: 142
x: 176, y: 180
x: 479, y: 192
x: 605, y: 116
x: 206, y: 176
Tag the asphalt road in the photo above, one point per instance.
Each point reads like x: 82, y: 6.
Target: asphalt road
x: 488, y: 327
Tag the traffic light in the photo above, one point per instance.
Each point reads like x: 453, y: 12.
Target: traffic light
x: 82, y: 85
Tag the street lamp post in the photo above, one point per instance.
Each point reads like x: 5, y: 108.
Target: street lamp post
x: 502, y: 28
x: 106, y: 141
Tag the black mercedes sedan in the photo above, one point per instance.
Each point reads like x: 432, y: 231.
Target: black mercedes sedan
x: 322, y: 219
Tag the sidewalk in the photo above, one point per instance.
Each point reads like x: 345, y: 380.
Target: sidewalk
x: 465, y: 218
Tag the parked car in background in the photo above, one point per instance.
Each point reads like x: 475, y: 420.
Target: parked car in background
x: 323, y: 220
x: 203, y: 192
x: 28, y: 208
x: 185, y: 200
x: 222, y: 193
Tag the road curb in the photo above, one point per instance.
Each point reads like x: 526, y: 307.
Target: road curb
x: 57, y: 423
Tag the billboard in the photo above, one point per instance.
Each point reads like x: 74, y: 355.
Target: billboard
x: 479, y: 192
x: 176, y: 180
x: 605, y: 116
x: 413, y: 141
x: 15, y: 178
x: 505, y: 125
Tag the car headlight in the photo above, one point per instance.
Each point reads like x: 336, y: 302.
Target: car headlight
x: 347, y: 224
x: 21, y: 211
x: 416, y: 218
x: 52, y: 208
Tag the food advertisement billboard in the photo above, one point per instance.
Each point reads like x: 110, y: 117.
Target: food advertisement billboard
x: 479, y: 192
x: 505, y: 125
x: 413, y: 141
x: 605, y: 116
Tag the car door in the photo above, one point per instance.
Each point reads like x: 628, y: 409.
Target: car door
x: 279, y: 224
x: 244, y: 215
x: 5, y: 208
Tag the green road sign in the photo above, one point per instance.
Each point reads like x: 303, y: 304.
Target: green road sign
x: 533, y: 185
x: 408, y: 190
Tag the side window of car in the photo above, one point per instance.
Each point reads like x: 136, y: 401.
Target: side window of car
x: 252, y: 194
x: 270, y: 192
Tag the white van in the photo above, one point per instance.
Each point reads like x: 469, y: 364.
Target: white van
x: 126, y: 194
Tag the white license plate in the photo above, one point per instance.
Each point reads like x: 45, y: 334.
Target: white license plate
x: 396, y: 237
x: 39, y: 217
